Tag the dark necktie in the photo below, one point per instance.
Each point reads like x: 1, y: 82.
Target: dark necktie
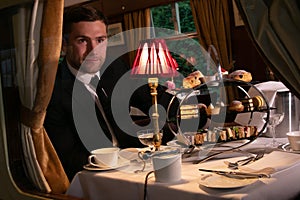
x: 94, y: 81
x: 99, y: 90
x: 102, y: 96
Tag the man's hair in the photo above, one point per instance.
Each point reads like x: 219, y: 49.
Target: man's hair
x: 77, y: 14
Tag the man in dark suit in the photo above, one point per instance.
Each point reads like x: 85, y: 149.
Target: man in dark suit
x: 74, y: 122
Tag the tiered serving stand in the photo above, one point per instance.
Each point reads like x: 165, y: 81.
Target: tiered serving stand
x: 191, y: 107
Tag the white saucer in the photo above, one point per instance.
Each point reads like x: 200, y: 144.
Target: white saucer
x: 121, y: 163
x: 129, y: 153
x: 211, y: 180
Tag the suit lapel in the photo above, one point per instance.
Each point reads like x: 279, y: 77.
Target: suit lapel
x: 74, y: 91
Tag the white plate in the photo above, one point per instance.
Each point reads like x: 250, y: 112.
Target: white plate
x: 211, y: 180
x: 121, y: 163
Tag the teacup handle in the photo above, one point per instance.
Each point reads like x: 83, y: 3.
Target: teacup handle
x: 144, y: 155
x: 90, y: 159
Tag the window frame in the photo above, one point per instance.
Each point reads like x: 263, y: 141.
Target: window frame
x: 176, y: 23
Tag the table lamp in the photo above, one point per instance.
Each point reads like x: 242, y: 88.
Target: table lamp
x: 153, y: 60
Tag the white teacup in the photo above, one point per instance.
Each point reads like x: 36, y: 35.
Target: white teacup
x: 104, y: 157
x: 294, y: 140
x: 167, y: 165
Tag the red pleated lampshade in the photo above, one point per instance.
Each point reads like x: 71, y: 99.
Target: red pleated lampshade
x: 154, y: 59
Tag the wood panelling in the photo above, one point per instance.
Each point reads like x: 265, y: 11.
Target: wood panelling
x: 244, y: 52
x: 246, y: 55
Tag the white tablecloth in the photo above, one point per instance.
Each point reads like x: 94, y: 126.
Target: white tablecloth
x: 123, y: 184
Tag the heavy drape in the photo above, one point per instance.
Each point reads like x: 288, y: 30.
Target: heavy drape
x: 37, y: 55
x: 213, y: 26
x: 135, y: 20
x: 274, y: 26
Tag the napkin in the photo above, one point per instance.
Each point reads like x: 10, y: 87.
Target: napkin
x: 271, y: 163
x: 277, y: 160
x: 269, y: 89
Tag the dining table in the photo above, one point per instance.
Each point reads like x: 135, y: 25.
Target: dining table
x: 126, y: 182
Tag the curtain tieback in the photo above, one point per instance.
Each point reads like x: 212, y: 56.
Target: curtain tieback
x: 32, y: 118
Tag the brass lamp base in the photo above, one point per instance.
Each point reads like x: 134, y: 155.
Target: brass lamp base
x: 157, y: 138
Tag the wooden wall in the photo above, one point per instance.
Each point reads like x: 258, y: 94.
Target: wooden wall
x: 244, y: 51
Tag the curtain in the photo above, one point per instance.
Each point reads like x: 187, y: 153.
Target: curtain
x: 135, y: 20
x: 213, y: 26
x: 37, y: 33
x: 274, y: 26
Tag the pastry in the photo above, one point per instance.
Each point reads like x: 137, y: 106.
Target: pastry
x: 258, y: 101
x: 230, y: 133
x: 236, y: 105
x: 192, y: 80
x: 189, y: 111
x: 199, y: 138
x: 189, y: 82
x: 241, y: 132
x: 253, y: 131
x: 222, y: 135
x: 248, y: 104
x: 247, y: 131
x: 212, y: 110
x: 198, y: 76
x: 211, y: 136
x: 241, y: 75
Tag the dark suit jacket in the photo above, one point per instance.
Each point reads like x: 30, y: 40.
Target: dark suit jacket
x: 71, y: 116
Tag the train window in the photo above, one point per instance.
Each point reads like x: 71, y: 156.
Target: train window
x: 178, y: 17
x: 175, y: 16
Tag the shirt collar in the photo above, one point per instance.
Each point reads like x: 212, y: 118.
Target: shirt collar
x: 82, y: 77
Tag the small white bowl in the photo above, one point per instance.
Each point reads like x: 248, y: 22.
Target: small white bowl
x: 294, y: 140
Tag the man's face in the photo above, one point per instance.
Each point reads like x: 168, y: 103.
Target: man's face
x: 86, y: 46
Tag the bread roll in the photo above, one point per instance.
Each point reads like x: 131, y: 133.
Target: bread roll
x: 241, y: 75
x: 192, y: 80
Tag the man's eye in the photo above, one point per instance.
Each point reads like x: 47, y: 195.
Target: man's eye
x: 81, y: 40
x: 100, y: 40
